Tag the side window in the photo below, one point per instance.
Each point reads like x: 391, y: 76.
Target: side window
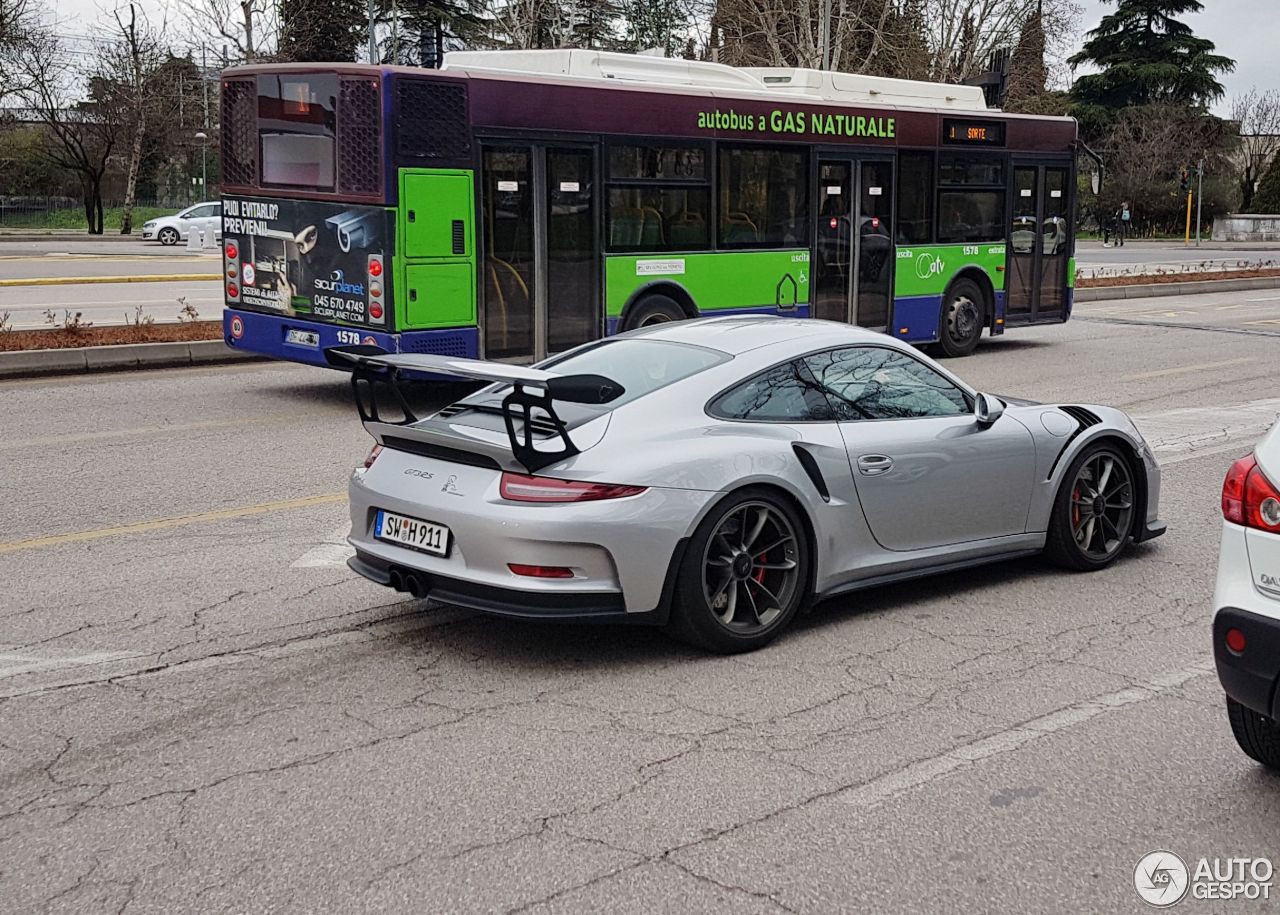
x: 659, y: 198
x: 202, y: 212
x: 875, y: 382
x: 971, y: 193
x: 785, y: 393
x: 915, y: 198
x: 764, y: 197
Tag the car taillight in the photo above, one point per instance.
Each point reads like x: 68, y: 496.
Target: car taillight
x: 372, y: 456
x: 529, y: 571
x: 1249, y: 498
x: 517, y: 487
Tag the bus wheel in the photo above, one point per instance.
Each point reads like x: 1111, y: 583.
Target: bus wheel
x: 963, y: 311
x: 654, y: 309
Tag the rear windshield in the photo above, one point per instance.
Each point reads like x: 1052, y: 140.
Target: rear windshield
x: 640, y: 366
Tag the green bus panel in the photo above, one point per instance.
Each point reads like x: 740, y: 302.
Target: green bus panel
x: 436, y: 212
x: 926, y: 270
x: 435, y: 266
x: 726, y: 279
x: 439, y: 295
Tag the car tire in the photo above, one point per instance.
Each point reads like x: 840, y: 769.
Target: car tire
x: 1257, y: 734
x: 755, y: 597
x: 1084, y: 534
x: 964, y: 312
x: 168, y: 236
x: 654, y: 309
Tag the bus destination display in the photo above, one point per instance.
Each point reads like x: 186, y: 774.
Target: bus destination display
x: 973, y: 133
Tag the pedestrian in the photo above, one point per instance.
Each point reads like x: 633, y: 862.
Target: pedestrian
x: 1126, y: 217
x: 1108, y: 225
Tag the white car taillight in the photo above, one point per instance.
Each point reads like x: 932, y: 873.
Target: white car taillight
x: 517, y: 487
x: 1249, y: 498
x: 372, y: 456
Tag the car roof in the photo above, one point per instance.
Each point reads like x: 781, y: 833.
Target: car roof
x: 737, y: 334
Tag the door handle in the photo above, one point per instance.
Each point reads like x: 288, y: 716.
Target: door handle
x: 873, y: 464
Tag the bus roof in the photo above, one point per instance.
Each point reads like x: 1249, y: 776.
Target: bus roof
x: 789, y: 83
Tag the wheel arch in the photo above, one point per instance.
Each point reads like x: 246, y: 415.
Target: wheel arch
x: 670, y: 288
x: 979, y: 277
x: 1129, y: 450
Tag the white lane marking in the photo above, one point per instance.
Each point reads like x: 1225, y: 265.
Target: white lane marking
x: 332, y: 552
x: 1195, y: 428
x: 1265, y: 298
x: 14, y: 661
x: 922, y: 773
x: 1183, y: 369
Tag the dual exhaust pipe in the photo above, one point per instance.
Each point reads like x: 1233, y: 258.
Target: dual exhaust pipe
x: 411, y: 582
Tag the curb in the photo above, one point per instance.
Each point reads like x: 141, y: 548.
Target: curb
x: 77, y: 280
x: 1150, y: 290
x: 122, y: 357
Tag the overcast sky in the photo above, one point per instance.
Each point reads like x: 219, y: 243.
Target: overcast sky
x: 1246, y: 30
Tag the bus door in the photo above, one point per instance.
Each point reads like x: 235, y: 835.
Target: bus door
x: 853, y: 241
x: 1039, y: 243
x: 540, y: 212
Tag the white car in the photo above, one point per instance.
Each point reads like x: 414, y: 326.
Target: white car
x: 169, y: 230
x: 1246, y: 621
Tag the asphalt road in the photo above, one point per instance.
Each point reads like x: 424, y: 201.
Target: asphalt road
x: 1139, y: 257
x: 68, y: 258
x: 108, y: 303
x: 202, y: 709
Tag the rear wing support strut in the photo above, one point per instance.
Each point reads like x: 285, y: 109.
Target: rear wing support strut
x: 532, y: 390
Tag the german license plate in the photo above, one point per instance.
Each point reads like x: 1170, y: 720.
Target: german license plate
x: 302, y: 338
x: 412, y: 532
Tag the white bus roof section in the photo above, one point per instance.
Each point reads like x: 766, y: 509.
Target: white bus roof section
x: 778, y: 82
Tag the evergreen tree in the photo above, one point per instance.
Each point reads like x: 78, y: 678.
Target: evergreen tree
x: 1027, y: 71
x: 1267, y: 198
x: 322, y: 30
x: 425, y: 30
x: 655, y: 24
x: 1145, y: 56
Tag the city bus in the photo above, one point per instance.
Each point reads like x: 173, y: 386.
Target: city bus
x: 514, y: 204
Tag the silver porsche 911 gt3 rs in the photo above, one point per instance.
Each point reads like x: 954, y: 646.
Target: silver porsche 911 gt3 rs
x: 714, y: 476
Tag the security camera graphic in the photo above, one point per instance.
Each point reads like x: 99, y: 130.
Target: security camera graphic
x: 353, y: 228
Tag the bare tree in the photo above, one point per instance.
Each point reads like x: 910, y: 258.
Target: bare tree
x: 16, y: 27
x: 247, y: 28
x: 83, y: 134
x: 994, y: 24
x: 791, y: 33
x: 1257, y: 116
x: 129, y: 67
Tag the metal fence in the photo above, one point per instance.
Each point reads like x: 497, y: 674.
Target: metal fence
x: 68, y: 212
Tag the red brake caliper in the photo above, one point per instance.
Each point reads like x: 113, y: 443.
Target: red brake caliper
x: 1075, y: 508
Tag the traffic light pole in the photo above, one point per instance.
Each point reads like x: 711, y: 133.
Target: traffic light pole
x: 1186, y: 242
x: 1199, y: 198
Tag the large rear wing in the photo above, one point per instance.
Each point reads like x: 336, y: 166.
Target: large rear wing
x: 374, y: 371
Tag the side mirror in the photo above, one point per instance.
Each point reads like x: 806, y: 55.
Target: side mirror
x: 987, y: 409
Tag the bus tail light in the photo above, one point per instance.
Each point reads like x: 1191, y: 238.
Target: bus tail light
x: 1249, y: 498
x: 516, y: 487
x: 377, y: 314
x: 231, y: 254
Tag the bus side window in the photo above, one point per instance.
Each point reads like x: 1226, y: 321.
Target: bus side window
x: 915, y: 197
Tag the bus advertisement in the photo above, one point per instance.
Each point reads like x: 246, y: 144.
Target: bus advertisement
x: 516, y: 204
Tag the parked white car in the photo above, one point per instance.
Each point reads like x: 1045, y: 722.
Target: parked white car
x: 169, y: 230
x: 1246, y: 621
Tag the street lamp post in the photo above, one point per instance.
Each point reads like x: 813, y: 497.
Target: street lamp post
x: 204, y: 168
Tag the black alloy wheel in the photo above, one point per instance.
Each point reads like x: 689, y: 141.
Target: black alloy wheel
x: 744, y: 575
x: 1094, y: 511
